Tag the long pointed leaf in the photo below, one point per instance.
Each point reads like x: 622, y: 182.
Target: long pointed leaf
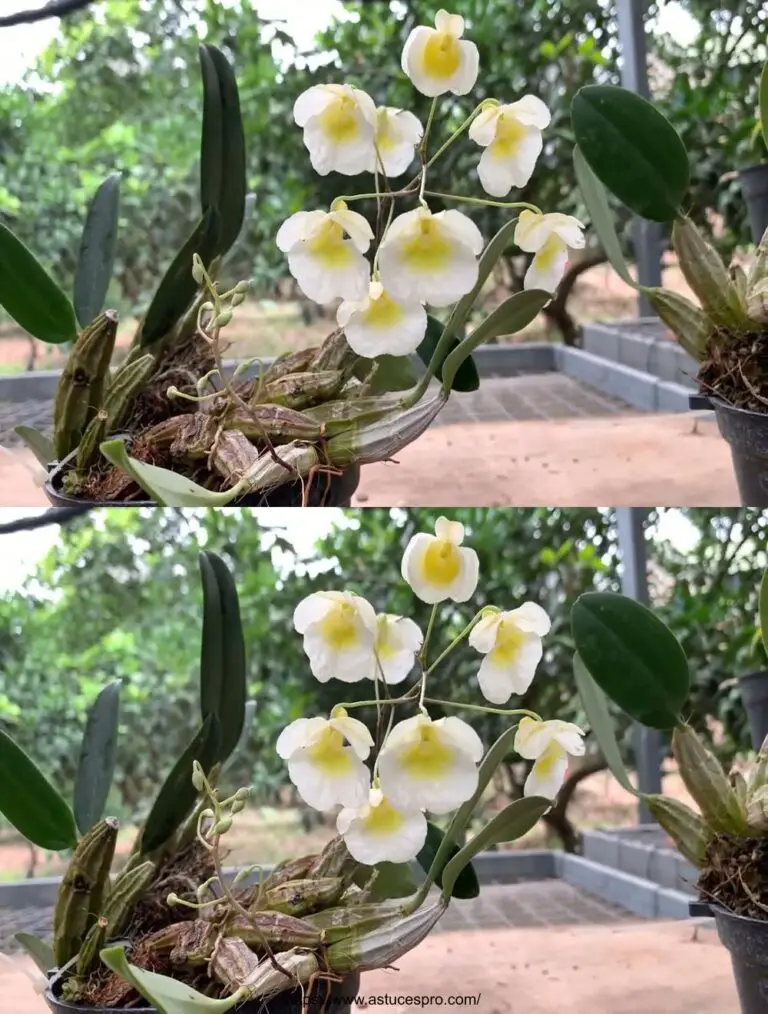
x: 222, y: 662
x: 600, y: 722
x: 488, y: 259
x: 242, y: 743
x: 212, y: 140
x: 40, y: 951
x: 512, y: 823
x: 494, y: 756
x: 178, y: 288
x: 178, y: 795
x: 97, y: 251
x: 30, y: 803
x: 40, y: 445
x: 30, y: 295
x: 231, y: 203
x: 601, y: 216
x: 98, y: 752
x: 465, y: 884
x: 466, y: 377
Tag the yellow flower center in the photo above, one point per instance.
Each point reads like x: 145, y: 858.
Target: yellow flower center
x: 509, y: 134
x: 327, y: 244
x: 428, y: 758
x: 546, y: 257
x: 339, y: 626
x: 383, y: 312
x: 508, y: 642
x: 329, y: 754
x: 428, y: 250
x: 383, y: 819
x: 549, y: 758
x: 339, y: 120
x: 385, y: 647
x: 441, y: 562
x: 385, y: 135
x: 442, y: 55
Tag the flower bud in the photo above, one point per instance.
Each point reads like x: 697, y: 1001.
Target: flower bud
x: 243, y: 793
x: 198, y: 775
x: 172, y: 899
x: 237, y: 807
x: 198, y: 271
x: 242, y: 287
x: 222, y: 826
x: 237, y: 299
x: 222, y: 319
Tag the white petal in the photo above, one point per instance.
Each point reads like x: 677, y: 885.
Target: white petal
x: 312, y: 609
x: 465, y: 584
x: 546, y: 273
x: 530, y: 111
x: 348, y: 666
x: 398, y: 159
x: 327, y: 155
x: 403, y: 732
x: 532, y: 738
x: 441, y: 287
x: 530, y: 618
x: 324, y: 284
x: 355, y: 226
x: 345, y: 818
x: 495, y: 681
x: 410, y: 126
x: 570, y: 737
x: 294, y: 229
x: 438, y: 795
x: 523, y: 669
x: 495, y: 174
x: 465, y: 77
x: 409, y: 633
x: 366, y: 104
x: 402, y: 225
x: 449, y: 531
x: 453, y: 24
x: 323, y: 792
x: 311, y: 103
x: 546, y: 776
x: 482, y: 130
x: 355, y: 733
x: 400, y: 846
x: 295, y: 736
x: 346, y: 309
x: 532, y: 231
x: 365, y: 611
x: 464, y: 228
x: 412, y: 570
x: 412, y: 62
x: 482, y: 637
x: 569, y: 229
x: 397, y: 667
x: 463, y: 735
x: 401, y: 339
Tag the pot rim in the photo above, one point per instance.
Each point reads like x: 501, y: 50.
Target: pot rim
x: 51, y: 998
x: 719, y: 910
x: 753, y: 168
x: 719, y: 403
x: 753, y: 675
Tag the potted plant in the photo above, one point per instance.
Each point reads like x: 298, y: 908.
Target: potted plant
x: 626, y: 145
x: 172, y: 426
x: 174, y: 930
x: 625, y: 653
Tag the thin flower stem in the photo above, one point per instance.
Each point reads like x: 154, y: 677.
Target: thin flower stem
x: 457, y: 640
x: 483, y: 201
x: 391, y: 194
x: 430, y: 118
x: 455, y: 135
x: 425, y: 645
x: 490, y: 711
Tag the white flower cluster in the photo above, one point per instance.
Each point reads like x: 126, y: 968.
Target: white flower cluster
x: 424, y: 765
x: 423, y: 258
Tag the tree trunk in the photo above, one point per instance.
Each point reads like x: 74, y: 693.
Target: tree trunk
x: 556, y: 311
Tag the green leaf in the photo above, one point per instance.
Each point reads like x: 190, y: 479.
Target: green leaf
x: 178, y: 795
x: 245, y: 735
x: 165, y: 487
x: 222, y: 658
x: 30, y: 803
x: 394, y: 373
x: 231, y: 203
x: 764, y: 102
x: 30, y: 295
x: 466, y: 884
x: 513, y: 315
x: 167, y: 996
x: 495, y: 755
x: 97, y: 251
x: 601, y: 216
x: 212, y: 139
x: 632, y: 149
x: 512, y: 823
x: 764, y: 609
x: 600, y: 722
x: 98, y: 752
x: 40, y: 951
x: 632, y: 656
x: 466, y: 378
x: 488, y: 259
x: 40, y: 445
x: 178, y: 288
x: 394, y: 880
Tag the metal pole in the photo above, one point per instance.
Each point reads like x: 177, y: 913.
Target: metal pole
x: 630, y: 15
x: 630, y: 522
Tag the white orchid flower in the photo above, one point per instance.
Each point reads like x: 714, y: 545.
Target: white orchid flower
x: 339, y: 631
x: 378, y: 832
x: 426, y: 258
x: 325, y: 759
x: 511, y: 136
x: 511, y: 643
x: 548, y: 745
x: 548, y: 237
x: 426, y: 765
x: 398, y: 639
x: 438, y: 567
x: 438, y: 60
x: 398, y: 132
x: 339, y: 124
x: 379, y: 325
x: 326, y: 264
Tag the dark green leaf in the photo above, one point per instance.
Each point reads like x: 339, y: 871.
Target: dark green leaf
x: 40, y: 445
x: 632, y: 149
x: 601, y: 216
x: 467, y: 378
x: 495, y: 249
x: 512, y: 823
x: 178, y: 795
x: 394, y: 880
x: 212, y: 140
x: 632, y: 656
x: 466, y: 884
x: 30, y: 803
x: 98, y: 752
x: 178, y: 288
x: 222, y: 659
x: 495, y: 755
x: 394, y: 373
x: 40, y: 951
x: 600, y: 722
x: 242, y: 743
x: 30, y: 295
x: 234, y: 182
x: 97, y: 251
x: 513, y: 315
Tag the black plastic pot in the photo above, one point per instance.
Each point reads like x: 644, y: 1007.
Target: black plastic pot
x: 326, y: 491
x: 747, y: 941
x: 339, y: 1000
x: 754, y: 186
x: 747, y: 433
x: 754, y: 694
